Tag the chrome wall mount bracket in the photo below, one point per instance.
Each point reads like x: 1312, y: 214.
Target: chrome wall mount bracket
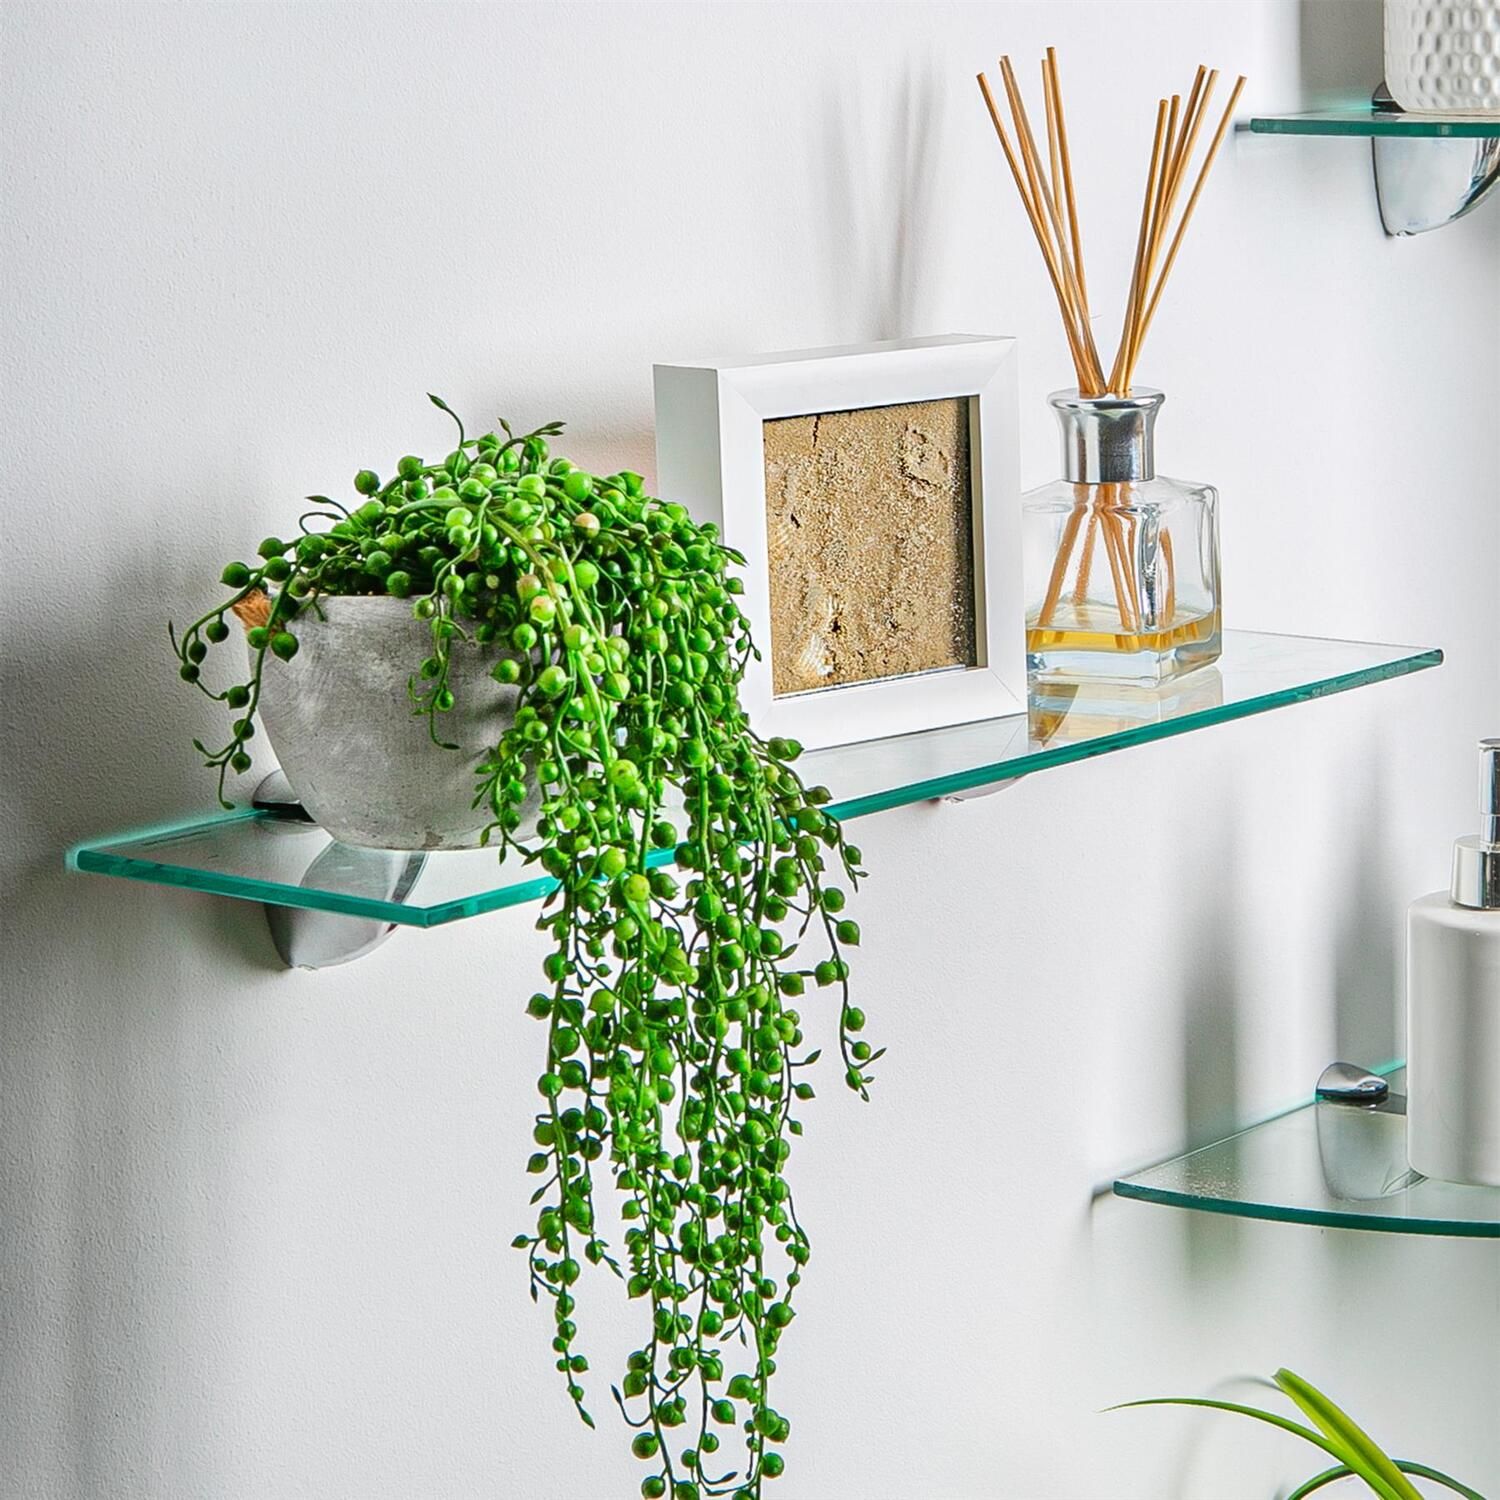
x: 1361, y: 1132
x: 307, y: 939
x: 970, y: 794
x: 1424, y: 182
x: 1348, y: 1083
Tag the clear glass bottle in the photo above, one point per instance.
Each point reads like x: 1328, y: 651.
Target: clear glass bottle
x: 1121, y: 565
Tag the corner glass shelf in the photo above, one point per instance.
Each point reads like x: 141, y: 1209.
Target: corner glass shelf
x: 1429, y: 169
x: 286, y: 861
x: 1365, y: 120
x: 1340, y: 1166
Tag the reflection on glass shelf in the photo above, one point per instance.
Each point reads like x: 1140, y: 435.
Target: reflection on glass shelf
x: 262, y: 857
x: 1071, y: 712
x: 1342, y: 1166
x: 1365, y: 120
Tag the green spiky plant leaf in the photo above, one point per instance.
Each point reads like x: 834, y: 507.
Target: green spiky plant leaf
x: 1422, y: 1471
x: 1336, y: 1433
x: 1358, y: 1450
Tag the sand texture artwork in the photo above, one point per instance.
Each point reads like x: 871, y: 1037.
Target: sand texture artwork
x: 870, y: 538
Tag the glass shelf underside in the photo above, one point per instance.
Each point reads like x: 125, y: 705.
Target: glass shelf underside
x: 1340, y: 1166
x: 260, y: 856
x: 1362, y: 120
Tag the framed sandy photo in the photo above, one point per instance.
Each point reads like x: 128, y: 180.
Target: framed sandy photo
x: 874, y: 493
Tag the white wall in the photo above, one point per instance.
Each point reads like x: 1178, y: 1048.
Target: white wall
x: 255, y: 1223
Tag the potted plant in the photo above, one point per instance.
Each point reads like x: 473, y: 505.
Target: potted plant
x: 1355, y: 1453
x: 587, y: 638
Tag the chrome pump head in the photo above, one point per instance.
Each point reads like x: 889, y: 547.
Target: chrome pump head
x: 1476, y: 859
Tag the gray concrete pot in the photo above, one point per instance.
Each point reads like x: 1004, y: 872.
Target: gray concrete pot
x: 341, y: 724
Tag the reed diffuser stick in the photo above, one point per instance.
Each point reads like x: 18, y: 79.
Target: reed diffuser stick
x: 1059, y: 565
x: 1159, y: 207
x: 1050, y: 200
x: 1106, y: 522
x: 1187, y: 213
x: 1203, y: 90
x: 1049, y: 107
x: 1187, y: 136
x: 1027, y: 143
x: 1067, y: 165
x: 1173, y: 144
x: 1086, y: 562
x: 1119, y: 565
x: 1034, y: 214
x: 1132, y: 304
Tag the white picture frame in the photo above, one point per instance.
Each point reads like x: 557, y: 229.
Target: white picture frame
x: 710, y: 454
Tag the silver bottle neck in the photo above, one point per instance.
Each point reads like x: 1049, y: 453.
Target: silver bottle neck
x: 1476, y: 859
x: 1107, y: 439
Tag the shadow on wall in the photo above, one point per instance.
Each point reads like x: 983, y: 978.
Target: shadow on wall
x: 1342, y: 51
x: 123, y: 719
x: 877, y: 190
x: 112, y: 1176
x: 1212, y: 996
x: 1368, y: 961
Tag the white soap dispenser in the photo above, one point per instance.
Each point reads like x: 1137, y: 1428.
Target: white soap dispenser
x: 1453, y: 1006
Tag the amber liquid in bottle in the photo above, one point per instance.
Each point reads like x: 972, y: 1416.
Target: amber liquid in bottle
x: 1098, y: 629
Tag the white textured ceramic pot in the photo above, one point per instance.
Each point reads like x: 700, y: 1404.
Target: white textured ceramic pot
x: 341, y: 724
x: 1443, y: 56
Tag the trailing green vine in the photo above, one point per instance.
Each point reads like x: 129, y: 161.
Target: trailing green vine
x: 693, y: 870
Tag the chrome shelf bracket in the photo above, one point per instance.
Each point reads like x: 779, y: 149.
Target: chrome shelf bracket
x: 1422, y: 183
x: 308, y: 939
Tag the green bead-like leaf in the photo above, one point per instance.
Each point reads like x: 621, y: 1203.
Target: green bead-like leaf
x: 611, y: 620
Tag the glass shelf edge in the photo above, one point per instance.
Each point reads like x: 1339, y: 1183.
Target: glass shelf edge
x: 94, y: 858
x: 1130, y: 1188
x: 1419, y: 660
x: 98, y: 861
x: 76, y: 858
x: 1357, y: 124
x: 121, y: 855
x: 1383, y: 1070
x: 1452, y: 1229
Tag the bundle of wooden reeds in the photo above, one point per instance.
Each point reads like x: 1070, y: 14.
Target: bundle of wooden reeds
x: 1050, y: 200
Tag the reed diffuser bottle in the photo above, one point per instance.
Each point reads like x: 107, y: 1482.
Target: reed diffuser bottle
x: 1121, y: 565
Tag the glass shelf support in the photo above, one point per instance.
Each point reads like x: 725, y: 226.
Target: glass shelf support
x: 1335, y: 1165
x: 1429, y: 169
x: 285, y: 861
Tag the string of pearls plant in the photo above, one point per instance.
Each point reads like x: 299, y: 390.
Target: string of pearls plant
x: 675, y: 1051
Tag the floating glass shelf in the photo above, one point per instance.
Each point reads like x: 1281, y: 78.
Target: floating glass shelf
x: 1341, y: 1166
x: 282, y: 861
x: 1365, y: 120
x: 1429, y: 169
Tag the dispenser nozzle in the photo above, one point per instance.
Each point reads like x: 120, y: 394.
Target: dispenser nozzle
x: 1489, y: 793
x: 1476, y: 857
